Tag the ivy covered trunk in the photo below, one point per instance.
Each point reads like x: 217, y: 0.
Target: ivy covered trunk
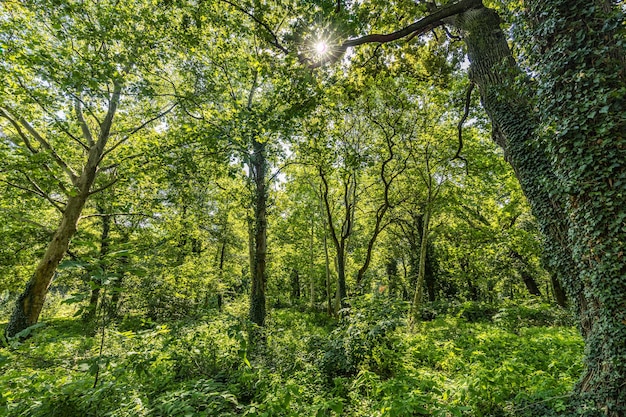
x: 579, y: 60
x: 257, y: 293
x: 574, y: 176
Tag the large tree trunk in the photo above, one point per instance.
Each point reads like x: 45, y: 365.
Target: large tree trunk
x: 257, y: 293
x: 515, y: 125
x: 584, y: 99
x: 583, y: 220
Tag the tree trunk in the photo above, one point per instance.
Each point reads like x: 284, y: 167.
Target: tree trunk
x: 220, y: 296
x: 584, y: 239
x: 417, y: 298
x: 392, y: 276
x: 583, y: 98
x: 30, y: 303
x: 329, y: 294
x: 257, y: 294
x: 558, y: 291
x: 104, y: 248
x: 311, y: 267
x: 529, y: 280
x: 341, y: 279
x: 295, y: 286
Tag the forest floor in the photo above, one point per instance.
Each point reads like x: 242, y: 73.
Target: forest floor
x: 470, y: 360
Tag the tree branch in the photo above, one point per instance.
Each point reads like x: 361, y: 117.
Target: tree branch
x: 274, y: 39
x: 38, y: 192
x: 104, y: 187
x: 137, y: 129
x: 19, y: 130
x: 468, y: 99
x: 423, y: 25
x: 46, y: 145
x: 83, y: 124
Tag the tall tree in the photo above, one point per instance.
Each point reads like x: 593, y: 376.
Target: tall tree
x: 68, y: 68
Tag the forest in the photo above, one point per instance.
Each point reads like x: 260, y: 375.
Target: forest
x: 318, y: 208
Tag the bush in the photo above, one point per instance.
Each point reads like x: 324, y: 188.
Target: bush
x: 513, y: 317
x: 365, y: 338
x: 475, y: 311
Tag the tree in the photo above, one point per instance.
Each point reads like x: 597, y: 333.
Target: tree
x: 563, y: 134
x: 67, y: 71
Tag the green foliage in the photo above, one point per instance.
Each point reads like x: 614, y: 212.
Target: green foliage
x: 364, y: 339
x: 368, y: 363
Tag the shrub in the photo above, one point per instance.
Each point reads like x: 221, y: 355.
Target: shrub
x: 475, y: 311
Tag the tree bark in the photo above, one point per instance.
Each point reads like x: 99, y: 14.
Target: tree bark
x: 257, y: 293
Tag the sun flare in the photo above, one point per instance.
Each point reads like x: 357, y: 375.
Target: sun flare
x: 321, y: 47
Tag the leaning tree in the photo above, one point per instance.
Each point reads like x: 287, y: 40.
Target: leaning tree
x: 75, y: 77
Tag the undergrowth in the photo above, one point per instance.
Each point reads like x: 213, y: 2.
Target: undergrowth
x: 367, y: 363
